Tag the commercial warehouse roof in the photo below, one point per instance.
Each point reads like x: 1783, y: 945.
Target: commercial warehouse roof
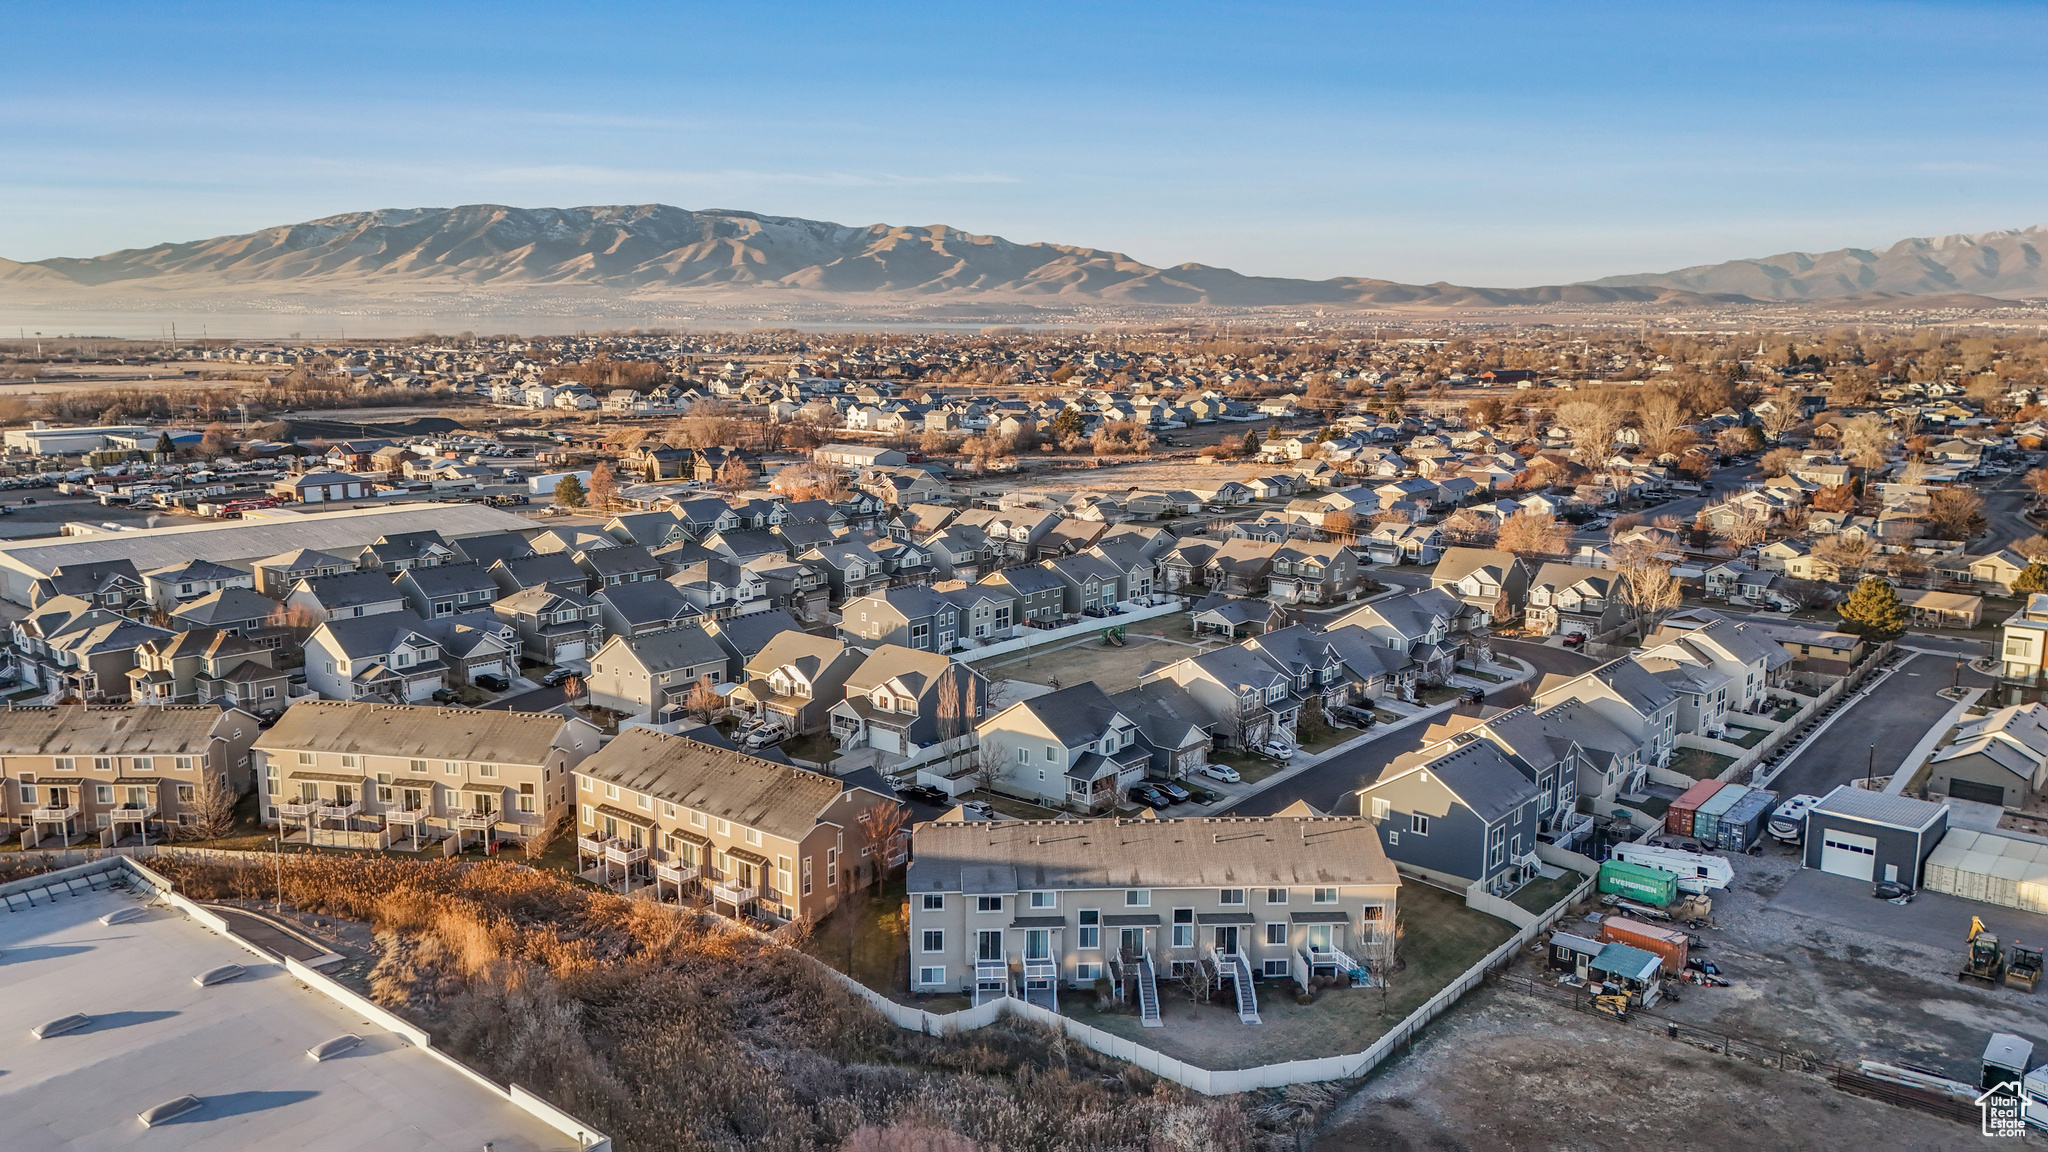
x: 1876, y: 808
x: 243, y: 542
x: 239, y: 1046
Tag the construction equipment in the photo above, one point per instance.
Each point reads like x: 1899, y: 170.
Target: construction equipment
x: 2023, y: 967
x: 1615, y: 1005
x: 1983, y: 959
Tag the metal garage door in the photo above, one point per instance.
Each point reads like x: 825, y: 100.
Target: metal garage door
x: 1845, y: 854
x: 886, y: 740
x: 569, y: 650
x: 1972, y: 790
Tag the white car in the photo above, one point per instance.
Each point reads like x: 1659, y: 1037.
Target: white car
x: 765, y: 735
x: 1277, y: 750
x: 1223, y: 772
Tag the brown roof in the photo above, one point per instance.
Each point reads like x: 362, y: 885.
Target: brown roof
x: 500, y: 737
x: 110, y: 731
x: 775, y: 798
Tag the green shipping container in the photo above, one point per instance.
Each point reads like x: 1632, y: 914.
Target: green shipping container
x: 1635, y: 882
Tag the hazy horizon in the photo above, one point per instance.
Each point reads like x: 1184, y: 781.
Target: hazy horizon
x: 1482, y: 145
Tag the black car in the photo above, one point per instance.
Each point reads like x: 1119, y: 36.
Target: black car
x: 491, y: 683
x: 1474, y: 696
x: 1362, y: 717
x: 925, y: 794
x: 557, y: 676
x: 1149, y: 796
x: 1170, y: 790
x: 444, y: 696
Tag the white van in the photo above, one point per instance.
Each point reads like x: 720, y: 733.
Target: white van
x: 1696, y: 871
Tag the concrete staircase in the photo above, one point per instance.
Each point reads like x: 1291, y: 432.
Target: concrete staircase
x: 1148, y: 994
x: 1235, y: 968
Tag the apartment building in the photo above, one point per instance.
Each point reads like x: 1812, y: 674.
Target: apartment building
x: 121, y: 773
x: 750, y: 835
x: 1020, y: 906
x: 419, y: 773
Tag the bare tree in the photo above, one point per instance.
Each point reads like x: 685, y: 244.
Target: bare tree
x: 1956, y: 513
x: 1592, y: 425
x: 992, y: 766
x: 703, y: 702
x: 881, y: 832
x: 1782, y: 418
x: 1844, y: 552
x: 1660, y: 417
x: 811, y: 482
x: 1780, y: 461
x: 1865, y: 440
x: 543, y: 836
x: 603, y: 489
x: 212, y: 808
x: 1647, y: 586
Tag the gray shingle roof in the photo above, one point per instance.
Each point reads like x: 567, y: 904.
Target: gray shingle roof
x: 109, y: 731
x: 1205, y: 852
x: 485, y: 735
x: 781, y: 801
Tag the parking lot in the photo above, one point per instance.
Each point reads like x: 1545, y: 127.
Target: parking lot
x: 1819, y: 965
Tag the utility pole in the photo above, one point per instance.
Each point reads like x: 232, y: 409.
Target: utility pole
x: 277, y: 842
x: 1869, y: 765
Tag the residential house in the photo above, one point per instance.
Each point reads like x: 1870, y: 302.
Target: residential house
x: 1174, y: 723
x: 646, y: 606
x: 1630, y: 698
x: 755, y: 837
x: 1038, y: 596
x: 205, y: 665
x: 1565, y: 598
x: 236, y: 611
x: 1457, y: 813
x: 797, y: 679
x: 111, y: 776
x: 852, y: 570
x: 278, y: 575
x: 622, y: 564
x: 110, y: 584
x: 743, y: 637
x: 403, y: 551
x: 554, y: 571
x: 174, y: 584
x: 649, y: 677
x: 1929, y: 608
x: 901, y: 699
x: 1072, y: 902
x: 1494, y: 584
x: 1422, y: 626
x: 1310, y: 573
x: 2000, y: 758
x: 911, y: 616
x: 446, y: 589
x: 74, y: 650
x: 345, y: 595
x: 433, y: 772
x: 1397, y: 543
x: 1247, y: 699
x: 1073, y: 748
x: 555, y: 625
x: 399, y: 658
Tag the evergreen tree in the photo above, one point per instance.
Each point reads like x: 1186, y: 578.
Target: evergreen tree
x: 164, y: 448
x: 1873, y: 610
x: 1251, y: 442
x: 1068, y: 424
x: 569, y: 492
x: 2034, y: 579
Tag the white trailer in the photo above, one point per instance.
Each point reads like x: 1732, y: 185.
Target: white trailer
x: 1696, y: 871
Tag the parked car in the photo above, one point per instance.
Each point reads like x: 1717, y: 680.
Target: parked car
x: 980, y: 809
x: 1223, y: 772
x: 1149, y: 796
x: 765, y: 735
x: 444, y: 696
x: 1202, y: 795
x: 557, y: 676
x: 1575, y: 640
x: 1278, y: 750
x: 1473, y: 696
x: 1363, y: 717
x: 924, y: 794
x: 490, y: 683
x: 1173, y: 792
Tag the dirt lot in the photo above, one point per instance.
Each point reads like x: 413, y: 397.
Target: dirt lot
x: 1150, y: 642
x: 1504, y: 1070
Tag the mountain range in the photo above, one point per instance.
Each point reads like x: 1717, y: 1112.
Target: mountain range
x: 655, y: 248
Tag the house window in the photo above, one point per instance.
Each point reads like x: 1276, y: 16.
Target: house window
x: 143, y: 764
x: 696, y: 819
x: 1230, y: 896
x: 753, y: 835
x: 1418, y: 824
x: 1137, y: 898
x: 1276, y: 932
x: 643, y: 801
x: 934, y: 902
x: 1023, y: 755
x: 807, y: 875
x: 1090, y: 934
x: 1052, y: 754
x: 492, y: 770
x: 1326, y: 896
x: 1045, y: 899
x: 988, y: 903
x: 186, y: 792
x: 183, y: 763
x: 451, y: 768
x: 1276, y: 895
x: 589, y: 784
x: 1183, y: 927
x: 935, y: 975
x: 304, y: 758
x: 934, y: 940
x: 722, y: 827
x: 611, y: 791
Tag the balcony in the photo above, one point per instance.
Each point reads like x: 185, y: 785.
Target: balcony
x: 330, y: 810
x: 132, y: 813
x: 56, y: 815
x: 474, y: 821
x: 405, y: 816
x: 1041, y: 970
x: 299, y: 811
x: 737, y: 897
x: 995, y: 971
x: 619, y: 852
x: 676, y: 874
x: 591, y: 845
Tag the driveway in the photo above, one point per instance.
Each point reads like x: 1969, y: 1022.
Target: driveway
x: 1877, y: 732
x: 1932, y: 919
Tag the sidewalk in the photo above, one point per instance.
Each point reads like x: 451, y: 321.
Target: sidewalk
x: 1238, y: 793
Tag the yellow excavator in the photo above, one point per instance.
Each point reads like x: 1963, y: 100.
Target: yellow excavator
x: 1983, y: 959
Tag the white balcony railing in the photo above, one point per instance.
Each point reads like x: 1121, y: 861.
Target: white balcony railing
x: 475, y: 820
x: 675, y: 874
x: 56, y: 815
x: 132, y: 813
x: 591, y: 845
x: 405, y: 815
x: 333, y: 811
x: 738, y: 897
x: 298, y: 811
x: 994, y: 970
x: 620, y: 853
x: 1040, y: 970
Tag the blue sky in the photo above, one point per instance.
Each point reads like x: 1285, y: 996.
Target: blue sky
x: 1479, y: 143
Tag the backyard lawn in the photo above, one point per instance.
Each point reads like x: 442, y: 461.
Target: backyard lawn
x: 1113, y: 668
x: 868, y: 938
x: 1539, y: 894
x: 1442, y: 939
x: 1744, y: 737
x: 1699, y: 763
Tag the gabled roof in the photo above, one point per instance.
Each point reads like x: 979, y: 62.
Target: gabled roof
x: 809, y: 654
x: 747, y: 790
x: 684, y: 646
x: 646, y: 601
x: 915, y: 669
x: 1077, y: 714
x: 475, y: 734
x: 361, y: 637
x: 108, y: 731
x: 1477, y: 772
x: 449, y: 579
x: 350, y: 589
x: 226, y: 606
x: 195, y: 571
x: 544, y: 568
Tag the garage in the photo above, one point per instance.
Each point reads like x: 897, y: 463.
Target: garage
x: 1869, y: 836
x: 885, y: 739
x: 1847, y: 854
x: 569, y: 650
x: 1973, y: 790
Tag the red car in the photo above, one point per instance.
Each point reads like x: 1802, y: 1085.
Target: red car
x: 1575, y: 640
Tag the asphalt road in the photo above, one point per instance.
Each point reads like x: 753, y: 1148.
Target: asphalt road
x: 534, y: 700
x: 1877, y: 732
x: 1326, y: 783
